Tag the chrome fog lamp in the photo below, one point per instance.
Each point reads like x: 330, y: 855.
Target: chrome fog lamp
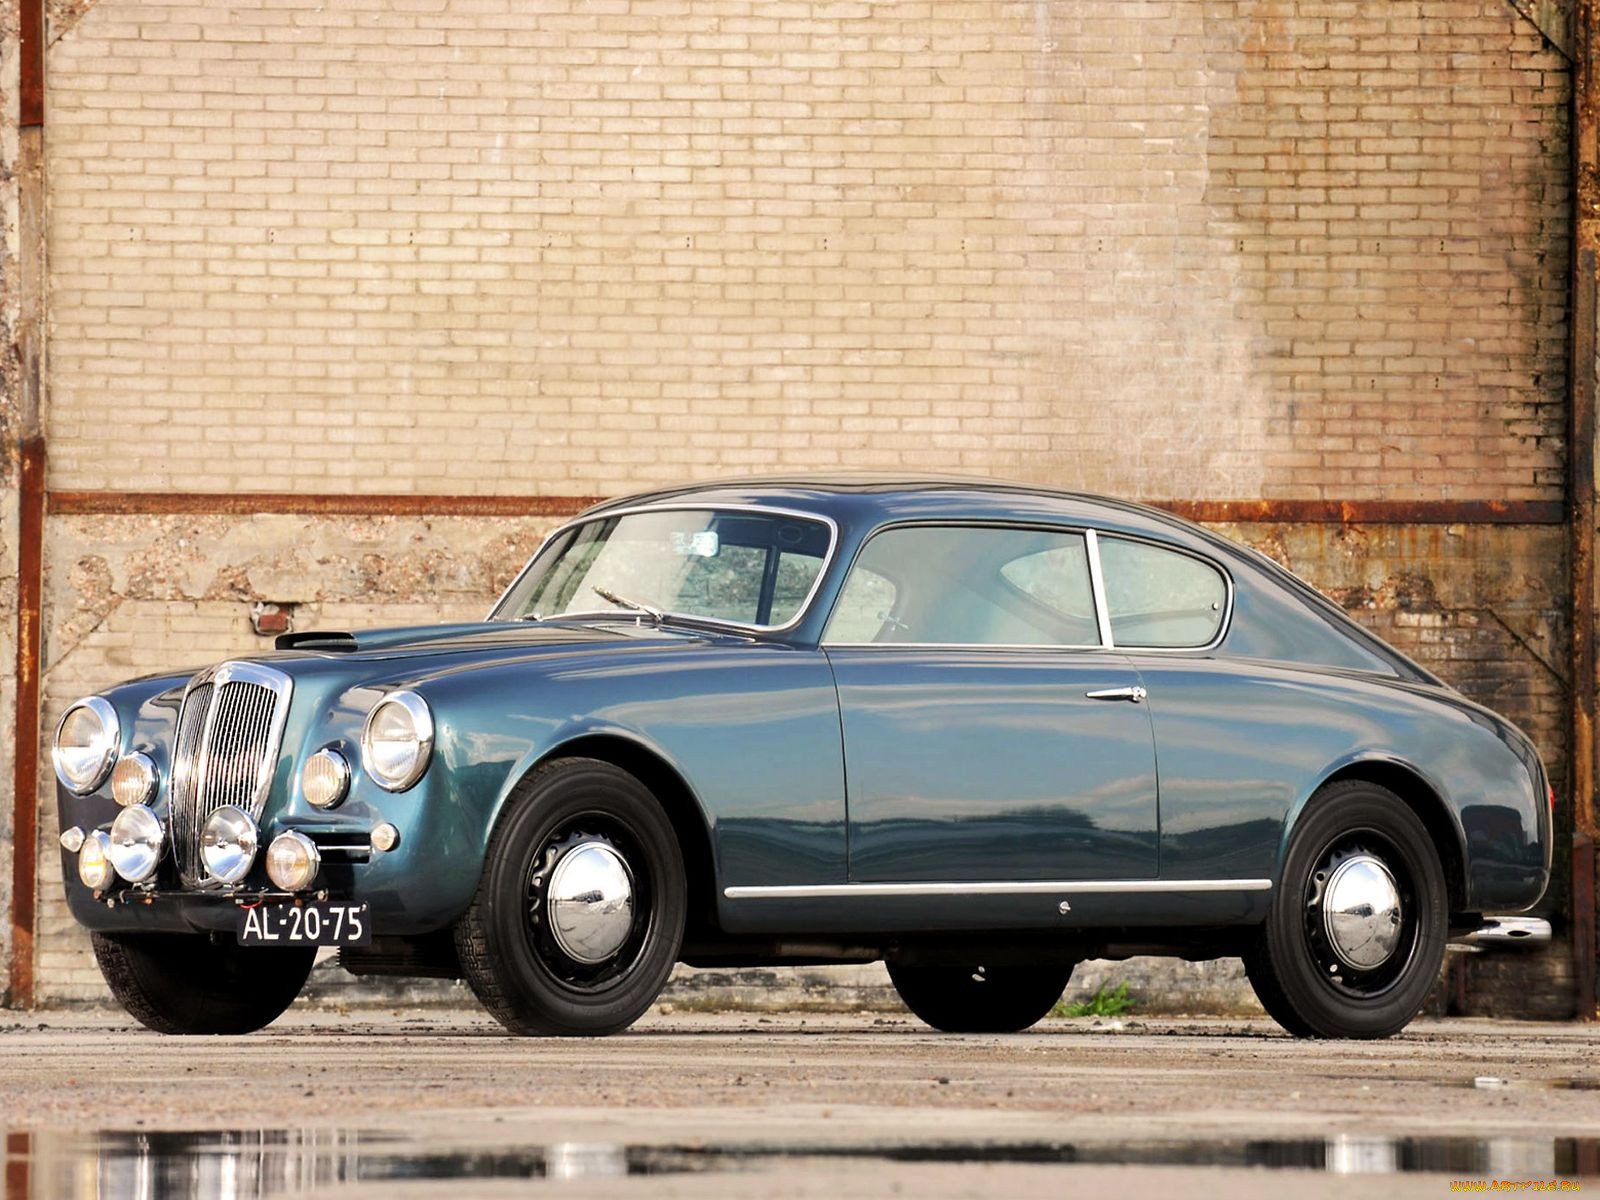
x: 136, y: 840
x: 228, y: 844
x: 325, y: 778
x: 292, y: 861
x: 133, y: 779
x: 86, y: 745
x: 396, y: 741
x: 94, y: 861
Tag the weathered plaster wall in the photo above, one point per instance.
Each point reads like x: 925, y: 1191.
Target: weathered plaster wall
x: 135, y: 595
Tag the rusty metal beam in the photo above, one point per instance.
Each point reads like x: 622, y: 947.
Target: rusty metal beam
x: 1581, y: 489
x: 28, y: 352
x: 30, y: 68
x: 1369, y: 512
x: 25, y: 739
x: 67, y: 503
x: 1321, y: 512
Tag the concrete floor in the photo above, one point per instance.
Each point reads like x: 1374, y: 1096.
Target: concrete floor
x: 439, y: 1102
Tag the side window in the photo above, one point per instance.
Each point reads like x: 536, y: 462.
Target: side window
x: 1160, y: 598
x: 968, y: 586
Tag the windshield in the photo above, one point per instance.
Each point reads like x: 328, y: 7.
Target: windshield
x: 744, y: 568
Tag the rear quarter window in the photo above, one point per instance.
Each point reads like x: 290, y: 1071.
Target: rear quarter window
x: 1161, y: 598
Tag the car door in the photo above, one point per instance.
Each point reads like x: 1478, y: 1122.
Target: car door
x: 988, y: 734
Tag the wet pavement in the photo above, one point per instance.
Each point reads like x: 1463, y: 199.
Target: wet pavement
x: 441, y: 1104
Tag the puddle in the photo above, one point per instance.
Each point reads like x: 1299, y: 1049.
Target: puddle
x: 247, y: 1165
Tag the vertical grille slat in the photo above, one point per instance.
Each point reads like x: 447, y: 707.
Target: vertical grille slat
x: 225, y: 751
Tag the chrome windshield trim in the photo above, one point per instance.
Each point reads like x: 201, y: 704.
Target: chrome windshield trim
x: 801, y: 613
x: 808, y: 891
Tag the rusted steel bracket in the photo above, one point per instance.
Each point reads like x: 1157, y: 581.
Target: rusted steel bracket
x: 1553, y: 19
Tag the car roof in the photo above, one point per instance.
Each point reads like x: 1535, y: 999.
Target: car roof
x: 902, y: 496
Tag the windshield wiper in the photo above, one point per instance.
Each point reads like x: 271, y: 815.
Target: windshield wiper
x: 655, y: 614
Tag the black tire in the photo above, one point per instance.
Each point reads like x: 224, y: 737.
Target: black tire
x: 186, y: 983
x: 980, y: 999
x: 1299, y: 975
x: 510, y: 954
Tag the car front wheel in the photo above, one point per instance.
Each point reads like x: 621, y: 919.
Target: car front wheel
x: 580, y: 910
x: 186, y: 983
x: 980, y: 999
x: 1357, y: 929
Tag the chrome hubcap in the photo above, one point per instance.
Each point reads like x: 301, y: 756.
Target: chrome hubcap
x: 589, y: 902
x: 1361, y: 912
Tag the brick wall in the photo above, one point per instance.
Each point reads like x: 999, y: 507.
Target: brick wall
x: 1176, y: 248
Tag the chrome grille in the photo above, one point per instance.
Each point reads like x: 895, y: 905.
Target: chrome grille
x: 226, y: 749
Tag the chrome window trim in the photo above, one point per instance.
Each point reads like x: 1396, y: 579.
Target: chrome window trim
x: 801, y: 613
x: 809, y: 891
x: 1227, y: 586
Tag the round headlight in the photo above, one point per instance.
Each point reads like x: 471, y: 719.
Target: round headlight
x: 228, y: 844
x: 94, y: 861
x: 136, y: 837
x: 86, y: 745
x: 325, y: 779
x: 133, y: 779
x: 292, y: 861
x: 397, y: 740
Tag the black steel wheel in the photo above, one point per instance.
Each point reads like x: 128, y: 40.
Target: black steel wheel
x: 980, y: 999
x: 1357, y: 929
x: 187, y: 983
x: 580, y: 909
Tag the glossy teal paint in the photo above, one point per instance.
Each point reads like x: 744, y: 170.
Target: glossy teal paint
x: 995, y: 765
x: 1018, y: 777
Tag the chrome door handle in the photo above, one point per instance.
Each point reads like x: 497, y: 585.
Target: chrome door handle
x: 1134, y: 695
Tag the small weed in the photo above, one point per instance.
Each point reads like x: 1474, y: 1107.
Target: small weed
x: 1114, y: 1003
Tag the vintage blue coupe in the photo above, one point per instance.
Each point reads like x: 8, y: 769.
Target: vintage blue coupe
x: 979, y: 731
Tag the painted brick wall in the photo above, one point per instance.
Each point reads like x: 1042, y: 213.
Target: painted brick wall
x: 1232, y: 249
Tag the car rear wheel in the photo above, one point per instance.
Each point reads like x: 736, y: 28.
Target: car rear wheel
x: 186, y: 983
x: 580, y: 910
x: 1357, y: 929
x: 980, y: 999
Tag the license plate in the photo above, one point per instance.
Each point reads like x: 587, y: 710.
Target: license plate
x: 314, y: 923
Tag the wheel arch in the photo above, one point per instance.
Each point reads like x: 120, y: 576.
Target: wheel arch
x: 677, y: 799
x: 1418, y: 794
